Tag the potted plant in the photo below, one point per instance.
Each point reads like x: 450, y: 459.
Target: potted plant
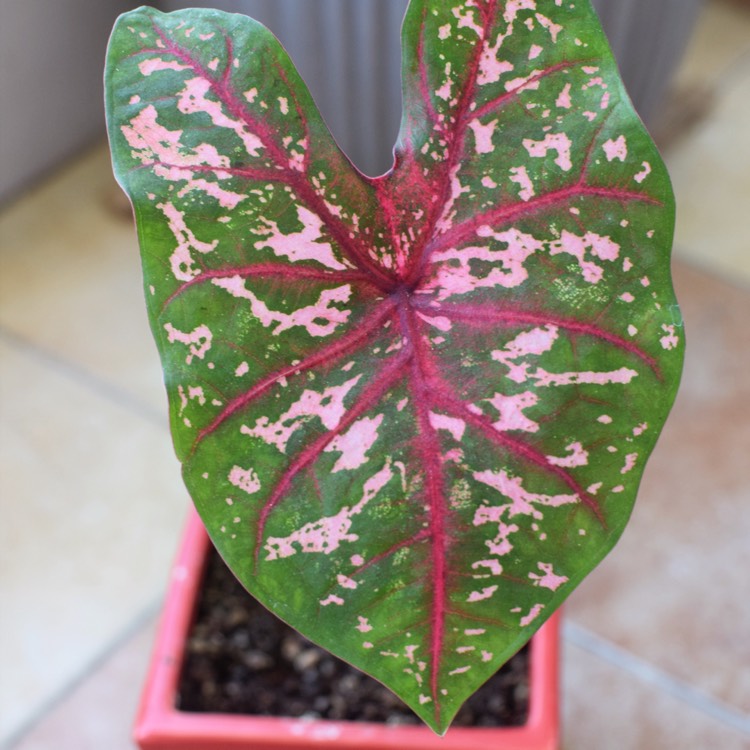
x: 412, y: 410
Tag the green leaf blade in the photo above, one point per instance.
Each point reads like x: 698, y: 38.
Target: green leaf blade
x: 413, y: 410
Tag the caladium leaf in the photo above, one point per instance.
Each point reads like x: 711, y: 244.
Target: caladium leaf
x: 412, y: 410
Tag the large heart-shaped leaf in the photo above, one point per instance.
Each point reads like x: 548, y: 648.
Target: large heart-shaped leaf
x: 412, y: 410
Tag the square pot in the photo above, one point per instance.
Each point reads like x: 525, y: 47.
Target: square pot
x: 161, y: 726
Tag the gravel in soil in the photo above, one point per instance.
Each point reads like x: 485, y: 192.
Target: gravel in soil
x: 243, y: 660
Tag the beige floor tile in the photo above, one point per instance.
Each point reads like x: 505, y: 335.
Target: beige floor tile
x: 70, y: 278
x: 99, y: 713
x: 91, y: 501
x: 606, y: 708
x: 674, y: 591
x: 711, y: 174
x: 721, y: 38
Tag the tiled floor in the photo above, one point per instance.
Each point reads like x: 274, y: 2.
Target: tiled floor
x: 657, y: 642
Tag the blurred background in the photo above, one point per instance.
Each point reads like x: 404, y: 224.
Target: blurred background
x: 656, y: 641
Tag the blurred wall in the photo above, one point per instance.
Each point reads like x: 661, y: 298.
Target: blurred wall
x: 51, y: 61
x: 52, y: 52
x: 648, y: 38
x: 355, y: 77
x: 349, y: 54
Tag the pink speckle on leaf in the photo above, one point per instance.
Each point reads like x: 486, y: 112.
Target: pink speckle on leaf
x: 520, y: 176
x: 494, y: 566
x: 354, y: 443
x: 558, y: 142
x: 534, y: 342
x: 483, y: 136
x: 630, y: 462
x: 550, y: 580
x: 332, y: 599
x: 246, y: 479
x: 303, y: 245
x: 523, y: 502
x: 466, y: 21
x: 535, y: 611
x: 553, y: 28
x: 327, y: 534
x: 644, y: 173
x: 153, y: 64
x: 444, y: 92
x: 364, y: 625
x: 671, y: 340
x: 616, y: 149
x: 193, y: 100
x: 563, y: 100
x: 507, y: 266
x: 327, y: 406
x: 452, y: 425
x: 512, y: 7
x: 511, y: 411
x: 181, y: 260
x: 485, y: 593
x: 320, y: 318
x: 198, y: 340
x: 600, y: 247
x: 490, y: 68
x: 528, y: 82
x: 623, y: 375
x: 438, y: 321
x: 577, y: 456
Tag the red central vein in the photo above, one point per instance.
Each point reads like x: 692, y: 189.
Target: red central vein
x: 381, y: 383
x: 429, y: 448
x: 325, y: 355
x: 263, y: 130
x: 456, y: 137
x: 272, y: 270
x: 485, y: 316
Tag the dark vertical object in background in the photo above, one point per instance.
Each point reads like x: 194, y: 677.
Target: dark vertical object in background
x: 348, y: 51
x: 51, y: 56
x: 648, y: 38
x: 51, y: 63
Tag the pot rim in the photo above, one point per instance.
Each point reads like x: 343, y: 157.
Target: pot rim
x: 161, y: 726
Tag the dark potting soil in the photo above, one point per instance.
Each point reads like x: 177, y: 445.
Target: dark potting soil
x: 243, y: 660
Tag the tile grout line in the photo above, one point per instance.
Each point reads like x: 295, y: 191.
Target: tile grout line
x: 646, y: 672
x: 146, y: 615
x: 78, y: 374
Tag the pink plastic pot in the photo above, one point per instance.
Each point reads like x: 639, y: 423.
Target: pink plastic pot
x: 160, y: 726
